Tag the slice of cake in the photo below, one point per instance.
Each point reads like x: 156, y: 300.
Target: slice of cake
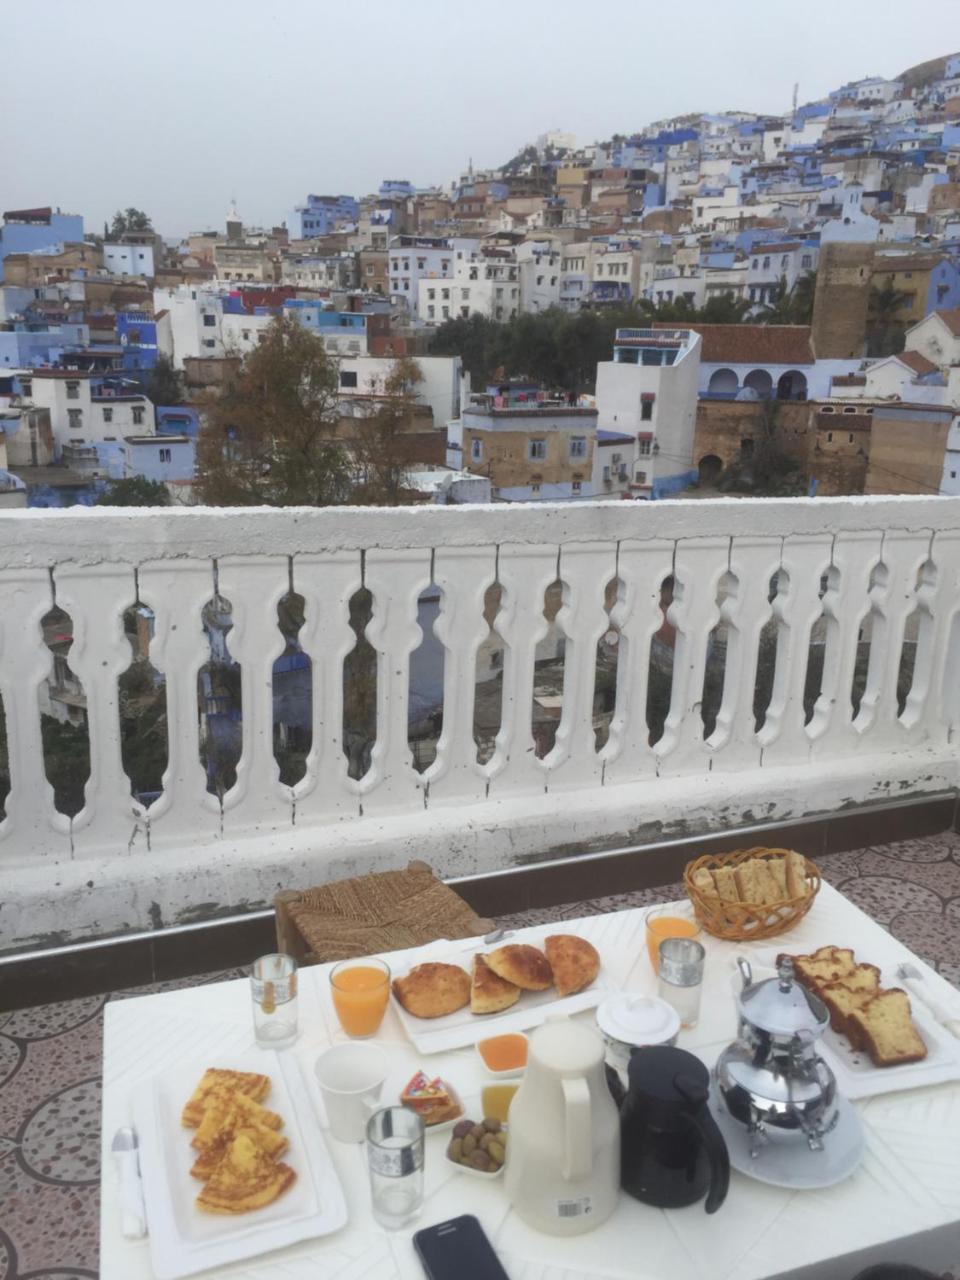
x: 826, y: 964
x: 848, y: 993
x: 885, y: 1029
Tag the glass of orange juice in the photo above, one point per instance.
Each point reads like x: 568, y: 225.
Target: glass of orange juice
x: 673, y: 921
x: 361, y: 989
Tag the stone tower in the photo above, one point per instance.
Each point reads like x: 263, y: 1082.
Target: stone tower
x: 839, y: 327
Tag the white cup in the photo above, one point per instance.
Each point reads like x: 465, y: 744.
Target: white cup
x: 351, y: 1077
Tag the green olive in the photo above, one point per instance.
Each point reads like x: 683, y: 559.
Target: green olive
x: 496, y: 1152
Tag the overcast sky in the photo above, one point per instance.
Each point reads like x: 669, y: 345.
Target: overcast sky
x: 178, y: 106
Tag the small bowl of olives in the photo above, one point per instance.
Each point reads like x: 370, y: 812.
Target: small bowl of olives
x: 478, y: 1147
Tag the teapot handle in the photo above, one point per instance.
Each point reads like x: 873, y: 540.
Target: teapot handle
x: 578, y: 1152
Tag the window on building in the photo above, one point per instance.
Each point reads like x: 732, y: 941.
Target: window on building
x: 828, y: 408
x: 75, y: 419
x: 421, y: 264
x: 73, y: 390
x: 646, y: 411
x: 537, y: 449
x: 784, y: 260
x: 641, y: 477
x: 850, y: 437
x: 26, y: 387
x: 577, y: 486
x: 108, y: 415
x: 476, y: 450
x: 209, y: 320
x: 431, y: 294
x: 645, y: 447
x: 445, y: 294
x: 806, y: 260
x: 756, y: 263
x: 137, y: 415
x: 370, y: 270
x: 464, y: 294
x: 348, y: 377
x: 578, y: 447
x: 535, y: 486
x: 850, y: 408
x: 606, y: 475
x: 746, y: 446
x: 165, y: 455
x: 445, y: 312
x: 766, y: 264
x: 209, y: 343
x: 431, y: 309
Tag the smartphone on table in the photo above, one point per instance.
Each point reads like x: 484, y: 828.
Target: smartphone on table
x: 458, y: 1250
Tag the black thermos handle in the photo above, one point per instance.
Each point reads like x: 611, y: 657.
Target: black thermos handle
x: 719, y: 1159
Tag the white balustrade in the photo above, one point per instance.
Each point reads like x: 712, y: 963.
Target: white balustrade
x: 849, y: 570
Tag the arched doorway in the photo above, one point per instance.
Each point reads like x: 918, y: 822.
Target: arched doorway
x: 759, y: 380
x: 723, y: 382
x: 710, y: 467
x: 792, y: 385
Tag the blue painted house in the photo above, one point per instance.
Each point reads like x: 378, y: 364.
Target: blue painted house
x: 29, y: 230
x: 137, y: 335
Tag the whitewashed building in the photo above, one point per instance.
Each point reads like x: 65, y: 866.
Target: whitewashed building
x: 129, y: 259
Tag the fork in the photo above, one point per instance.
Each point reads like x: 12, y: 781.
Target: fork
x: 913, y: 980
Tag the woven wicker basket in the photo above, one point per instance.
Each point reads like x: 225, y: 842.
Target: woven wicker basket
x: 745, y: 921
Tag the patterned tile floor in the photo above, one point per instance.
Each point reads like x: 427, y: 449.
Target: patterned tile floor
x: 50, y: 1057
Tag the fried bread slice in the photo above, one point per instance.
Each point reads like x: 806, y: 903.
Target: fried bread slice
x: 575, y: 962
x: 251, y: 1083
x: 523, y: 965
x: 431, y: 990
x: 489, y: 993
x: 247, y: 1177
x: 225, y: 1114
x: 266, y: 1140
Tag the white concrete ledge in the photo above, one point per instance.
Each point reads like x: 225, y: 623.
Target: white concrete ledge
x: 52, y: 902
x: 89, y: 536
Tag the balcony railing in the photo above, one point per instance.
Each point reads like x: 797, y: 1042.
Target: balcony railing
x: 838, y: 590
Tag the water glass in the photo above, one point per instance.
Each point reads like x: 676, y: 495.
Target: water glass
x: 395, y: 1158
x: 671, y: 921
x: 273, y: 986
x: 681, y: 977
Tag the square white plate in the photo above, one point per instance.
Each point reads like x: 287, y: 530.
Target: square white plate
x: 463, y: 1028
x: 184, y: 1240
x: 857, y: 1077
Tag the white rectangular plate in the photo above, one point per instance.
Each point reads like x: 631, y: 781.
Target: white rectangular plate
x: 463, y: 1028
x: 183, y: 1240
x: 857, y: 1077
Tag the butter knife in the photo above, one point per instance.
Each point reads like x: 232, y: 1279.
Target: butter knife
x: 912, y: 979
x: 124, y: 1148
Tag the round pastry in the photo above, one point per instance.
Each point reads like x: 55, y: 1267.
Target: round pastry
x: 431, y: 990
x: 574, y: 961
x: 524, y: 966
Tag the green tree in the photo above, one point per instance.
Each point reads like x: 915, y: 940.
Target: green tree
x: 885, y: 328
x: 130, y: 219
x: 270, y: 438
x: 765, y: 470
x: 164, y: 383
x: 135, y: 491
x: 724, y: 309
x: 379, y: 444
x: 793, y: 305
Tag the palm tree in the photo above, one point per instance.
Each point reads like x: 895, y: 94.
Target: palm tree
x: 885, y: 329
x: 802, y: 296
x: 779, y: 308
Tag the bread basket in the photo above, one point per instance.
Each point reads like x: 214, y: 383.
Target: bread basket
x: 746, y: 921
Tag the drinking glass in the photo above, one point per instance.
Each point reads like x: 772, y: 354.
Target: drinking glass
x: 671, y: 921
x: 681, y: 977
x: 395, y: 1159
x: 361, y: 989
x: 273, y: 986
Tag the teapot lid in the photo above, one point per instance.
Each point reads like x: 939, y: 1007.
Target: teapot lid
x: 780, y: 1006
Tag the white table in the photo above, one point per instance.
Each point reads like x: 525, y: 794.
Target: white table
x: 902, y: 1204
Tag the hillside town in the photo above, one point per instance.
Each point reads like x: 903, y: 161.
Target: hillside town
x: 780, y: 296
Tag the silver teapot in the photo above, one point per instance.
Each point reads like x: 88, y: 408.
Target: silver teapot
x: 772, y: 1074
